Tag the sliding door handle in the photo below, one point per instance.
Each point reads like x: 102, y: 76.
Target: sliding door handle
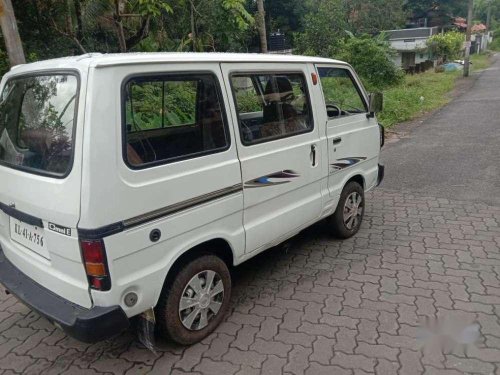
x: 336, y: 141
x: 313, y: 155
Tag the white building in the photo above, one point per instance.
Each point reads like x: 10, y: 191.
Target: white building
x: 411, y: 45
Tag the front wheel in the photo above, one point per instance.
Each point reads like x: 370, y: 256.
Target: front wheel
x: 346, y: 220
x: 196, y: 302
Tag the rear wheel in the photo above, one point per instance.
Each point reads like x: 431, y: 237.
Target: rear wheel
x: 346, y: 220
x: 196, y: 301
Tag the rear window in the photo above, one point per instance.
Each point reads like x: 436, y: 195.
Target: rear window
x: 37, y: 119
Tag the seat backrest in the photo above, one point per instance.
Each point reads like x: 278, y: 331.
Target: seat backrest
x: 277, y: 110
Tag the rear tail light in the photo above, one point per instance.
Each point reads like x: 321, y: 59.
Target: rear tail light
x: 94, y: 257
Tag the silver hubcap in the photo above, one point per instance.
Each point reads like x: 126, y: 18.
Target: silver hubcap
x: 353, y: 210
x: 201, y: 300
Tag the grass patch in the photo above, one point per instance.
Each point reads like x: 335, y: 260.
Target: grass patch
x: 422, y: 93
x: 418, y: 94
x: 481, y: 61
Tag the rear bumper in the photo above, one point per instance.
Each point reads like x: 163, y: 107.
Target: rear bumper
x: 381, y: 171
x: 87, y: 325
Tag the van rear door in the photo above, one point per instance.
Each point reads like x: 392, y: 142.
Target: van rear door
x: 41, y: 127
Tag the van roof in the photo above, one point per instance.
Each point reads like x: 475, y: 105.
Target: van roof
x: 98, y: 59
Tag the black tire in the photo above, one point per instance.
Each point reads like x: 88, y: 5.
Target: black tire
x: 168, y: 316
x: 338, y: 225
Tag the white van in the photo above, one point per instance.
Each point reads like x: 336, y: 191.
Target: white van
x: 133, y: 182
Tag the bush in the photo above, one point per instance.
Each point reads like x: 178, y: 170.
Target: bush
x: 372, y: 60
x: 448, y: 46
x: 495, y: 45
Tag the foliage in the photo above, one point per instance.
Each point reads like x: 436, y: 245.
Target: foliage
x: 155, y: 104
x: 324, y: 29
x: 447, y: 46
x: 372, y: 60
x: 374, y: 16
x: 481, y: 10
x: 451, y: 7
x: 286, y: 15
x: 495, y: 45
x: 153, y: 7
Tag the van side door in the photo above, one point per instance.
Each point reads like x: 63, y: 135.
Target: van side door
x: 278, y: 147
x: 353, y: 136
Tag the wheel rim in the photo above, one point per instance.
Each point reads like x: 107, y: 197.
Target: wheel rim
x: 353, y: 210
x: 201, y: 300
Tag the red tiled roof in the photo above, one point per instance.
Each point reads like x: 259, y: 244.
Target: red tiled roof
x: 478, y: 28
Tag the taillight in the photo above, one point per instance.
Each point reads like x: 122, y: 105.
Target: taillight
x: 94, y: 257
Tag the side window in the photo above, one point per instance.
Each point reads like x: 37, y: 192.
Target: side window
x: 172, y: 117
x: 341, y: 92
x: 271, y: 106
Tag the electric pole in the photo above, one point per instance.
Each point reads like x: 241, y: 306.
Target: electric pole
x: 488, y: 15
x: 468, y: 38
x: 11, y: 34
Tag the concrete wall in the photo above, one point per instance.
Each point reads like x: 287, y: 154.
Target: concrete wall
x: 414, y: 44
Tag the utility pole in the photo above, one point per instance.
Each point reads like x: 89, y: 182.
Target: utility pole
x: 11, y: 34
x: 261, y: 25
x: 468, y: 38
x: 488, y: 15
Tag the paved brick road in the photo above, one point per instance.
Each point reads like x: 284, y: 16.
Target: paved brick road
x: 323, y: 307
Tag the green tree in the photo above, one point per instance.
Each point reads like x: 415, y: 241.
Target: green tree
x: 450, y: 7
x: 372, y: 60
x: 373, y: 16
x: 324, y: 29
x: 481, y: 8
x: 209, y: 25
x: 447, y: 46
x: 286, y: 15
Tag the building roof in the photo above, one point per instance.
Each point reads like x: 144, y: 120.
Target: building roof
x: 479, y: 28
x: 420, y: 32
x: 461, y: 23
x: 98, y: 59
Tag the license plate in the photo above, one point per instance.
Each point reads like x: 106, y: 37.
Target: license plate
x: 29, y: 236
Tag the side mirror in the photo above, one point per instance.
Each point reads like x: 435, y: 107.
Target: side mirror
x: 376, y: 103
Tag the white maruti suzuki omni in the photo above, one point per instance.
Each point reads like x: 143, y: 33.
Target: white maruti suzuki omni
x: 133, y: 182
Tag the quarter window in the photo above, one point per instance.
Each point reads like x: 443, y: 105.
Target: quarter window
x: 271, y: 106
x: 341, y: 92
x: 171, y: 118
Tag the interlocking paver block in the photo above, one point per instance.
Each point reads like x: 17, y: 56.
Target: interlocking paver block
x: 298, y: 360
x: 271, y: 347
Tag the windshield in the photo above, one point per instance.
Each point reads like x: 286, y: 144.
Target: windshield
x: 37, y: 117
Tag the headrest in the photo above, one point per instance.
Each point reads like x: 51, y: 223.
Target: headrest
x: 283, y: 88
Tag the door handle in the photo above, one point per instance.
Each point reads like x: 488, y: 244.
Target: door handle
x: 336, y: 141
x: 313, y: 154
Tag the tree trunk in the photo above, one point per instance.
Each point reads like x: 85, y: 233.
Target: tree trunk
x: 119, y: 26
x: 261, y: 25
x: 193, y: 28
x: 11, y: 34
x: 79, y: 21
x: 488, y: 16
